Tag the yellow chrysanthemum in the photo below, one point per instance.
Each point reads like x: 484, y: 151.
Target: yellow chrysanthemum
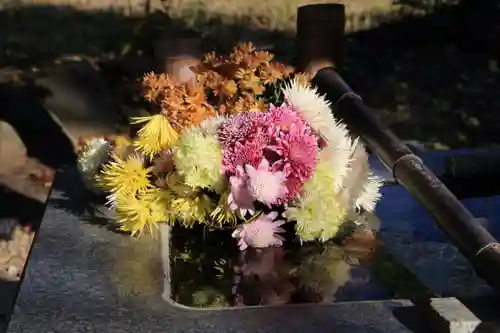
x: 125, y: 176
x: 198, y: 157
x: 135, y: 213
x: 156, y: 134
x: 177, y: 185
x: 319, y: 213
x: 123, y: 146
x: 189, y: 211
x: 222, y: 214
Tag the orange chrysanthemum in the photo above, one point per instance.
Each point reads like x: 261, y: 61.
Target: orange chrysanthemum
x: 183, y: 104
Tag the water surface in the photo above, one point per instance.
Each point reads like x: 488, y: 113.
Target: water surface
x: 207, y: 270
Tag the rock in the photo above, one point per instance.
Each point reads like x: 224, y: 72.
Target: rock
x: 12, y: 150
x: 13, y: 272
x: 450, y: 315
x: 7, y: 227
x: 5, y: 256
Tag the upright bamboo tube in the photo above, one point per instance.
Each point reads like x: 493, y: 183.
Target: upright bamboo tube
x: 320, y: 36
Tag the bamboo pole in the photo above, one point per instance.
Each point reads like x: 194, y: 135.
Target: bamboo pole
x: 464, y: 230
x: 175, y: 55
x: 320, y: 36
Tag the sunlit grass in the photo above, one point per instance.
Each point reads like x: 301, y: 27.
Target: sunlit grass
x: 263, y: 14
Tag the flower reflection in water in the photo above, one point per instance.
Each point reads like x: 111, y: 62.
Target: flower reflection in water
x: 208, y: 273
x: 262, y: 276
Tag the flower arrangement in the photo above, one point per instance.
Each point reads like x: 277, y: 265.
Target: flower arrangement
x: 242, y: 142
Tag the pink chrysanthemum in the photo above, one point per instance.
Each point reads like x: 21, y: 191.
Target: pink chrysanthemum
x: 266, y: 186
x: 240, y: 127
x: 283, y: 117
x: 247, y: 152
x: 282, y: 138
x: 240, y: 200
x: 297, y: 149
x: 260, y: 233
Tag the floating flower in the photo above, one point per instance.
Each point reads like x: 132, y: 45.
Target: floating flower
x: 360, y: 186
x: 218, y: 146
x: 297, y: 150
x: 240, y: 127
x: 319, y: 212
x: 370, y: 193
x: 317, y: 112
x: 91, y: 157
x: 156, y: 135
x: 260, y: 233
x: 284, y: 117
x: 198, y: 158
x: 111, y: 201
x: 240, y: 199
x: 222, y: 213
x: 135, y: 213
x: 211, y: 125
x: 191, y: 210
x: 265, y: 186
x: 128, y: 176
x: 241, y: 154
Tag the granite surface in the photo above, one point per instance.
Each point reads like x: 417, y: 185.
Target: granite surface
x: 81, y: 277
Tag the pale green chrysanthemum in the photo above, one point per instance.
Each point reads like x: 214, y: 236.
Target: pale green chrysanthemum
x: 198, y: 157
x: 319, y: 212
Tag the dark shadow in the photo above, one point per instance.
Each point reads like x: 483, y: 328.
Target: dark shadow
x: 43, y: 138
x: 74, y: 197
x: 411, y: 318
x: 8, y: 295
x: 430, y: 77
x: 492, y: 327
x: 16, y: 208
x: 485, y: 307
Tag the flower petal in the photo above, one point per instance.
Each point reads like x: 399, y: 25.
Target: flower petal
x: 272, y: 215
x: 264, y: 165
x: 251, y: 171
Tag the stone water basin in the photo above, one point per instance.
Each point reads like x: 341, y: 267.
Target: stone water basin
x: 82, y: 277
x: 408, y: 257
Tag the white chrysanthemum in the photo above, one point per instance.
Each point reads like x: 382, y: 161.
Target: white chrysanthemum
x: 360, y: 187
x: 211, y: 125
x: 317, y: 113
x: 91, y: 158
x: 353, y: 183
x: 370, y: 193
x: 338, y: 158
